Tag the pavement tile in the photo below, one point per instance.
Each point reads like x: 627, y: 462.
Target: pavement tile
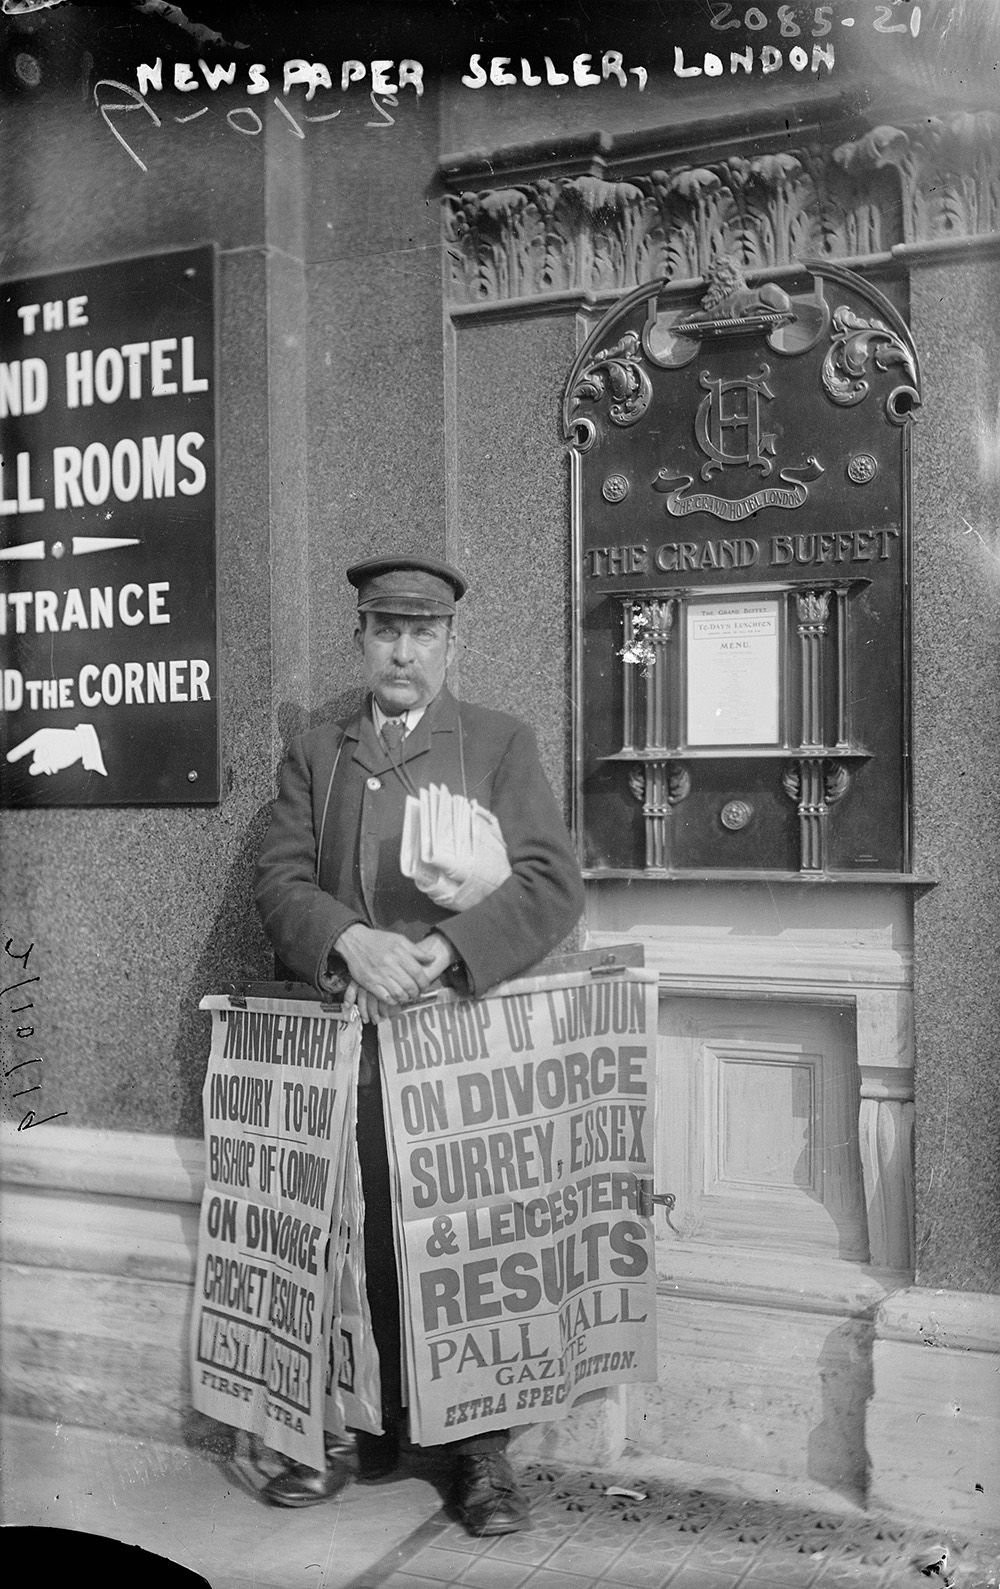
x: 640, y: 1570
x: 489, y: 1572
x: 665, y: 1547
x: 404, y: 1579
x: 545, y: 1578
x: 602, y: 1534
x: 724, y: 1557
x: 850, y: 1575
x: 579, y: 1555
x: 533, y: 1547
x: 770, y: 1573
x: 454, y: 1536
x: 693, y: 1576
x: 442, y: 1566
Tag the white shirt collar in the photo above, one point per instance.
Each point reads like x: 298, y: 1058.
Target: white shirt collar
x: 410, y: 719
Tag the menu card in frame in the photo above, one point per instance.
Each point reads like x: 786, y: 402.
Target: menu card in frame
x: 733, y: 673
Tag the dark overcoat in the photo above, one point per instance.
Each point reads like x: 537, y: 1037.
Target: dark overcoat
x: 341, y: 795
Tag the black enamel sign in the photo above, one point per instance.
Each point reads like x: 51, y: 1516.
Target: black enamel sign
x: 107, y: 535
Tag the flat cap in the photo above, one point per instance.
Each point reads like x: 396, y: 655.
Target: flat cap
x: 415, y: 586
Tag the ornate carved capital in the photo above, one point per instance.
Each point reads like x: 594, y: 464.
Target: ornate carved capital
x: 813, y: 610
x: 937, y: 179
x: 658, y: 616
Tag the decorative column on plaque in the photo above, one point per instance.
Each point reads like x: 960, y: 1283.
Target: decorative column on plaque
x: 813, y: 612
x: 813, y: 782
x: 657, y: 781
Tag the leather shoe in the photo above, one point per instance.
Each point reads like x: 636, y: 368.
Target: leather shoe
x: 487, y: 1495
x: 378, y: 1456
x: 300, y: 1485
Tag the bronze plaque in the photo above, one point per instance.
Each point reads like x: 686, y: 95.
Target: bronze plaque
x: 740, y: 494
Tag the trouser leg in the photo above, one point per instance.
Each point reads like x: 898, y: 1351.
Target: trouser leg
x: 382, y: 1281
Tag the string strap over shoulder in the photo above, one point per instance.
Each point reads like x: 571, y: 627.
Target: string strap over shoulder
x: 461, y: 755
x: 326, y: 807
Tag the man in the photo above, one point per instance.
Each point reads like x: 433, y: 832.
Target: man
x: 337, y: 906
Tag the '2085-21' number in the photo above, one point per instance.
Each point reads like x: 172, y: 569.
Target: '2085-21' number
x: 726, y: 15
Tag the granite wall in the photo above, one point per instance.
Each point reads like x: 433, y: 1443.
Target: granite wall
x: 956, y: 690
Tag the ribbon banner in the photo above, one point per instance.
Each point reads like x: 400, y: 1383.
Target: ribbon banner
x: 280, y: 1104
x: 792, y: 495
x: 520, y: 1126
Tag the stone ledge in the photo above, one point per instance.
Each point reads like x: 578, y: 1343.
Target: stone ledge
x: 100, y: 1233
x: 104, y: 1351
x: 110, y: 1236
x: 113, y: 1163
x: 715, y: 1273
x: 933, y: 1425
x: 961, y: 1321
x: 798, y: 964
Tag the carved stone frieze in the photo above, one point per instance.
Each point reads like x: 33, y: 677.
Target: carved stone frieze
x: 949, y: 173
x: 937, y: 180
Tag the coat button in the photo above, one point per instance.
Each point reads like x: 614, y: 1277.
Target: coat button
x: 374, y: 783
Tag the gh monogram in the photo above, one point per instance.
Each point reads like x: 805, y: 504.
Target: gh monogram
x: 721, y: 418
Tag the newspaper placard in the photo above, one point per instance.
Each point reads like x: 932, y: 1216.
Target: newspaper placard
x: 353, y: 1383
x: 521, y: 1126
x: 279, y: 1103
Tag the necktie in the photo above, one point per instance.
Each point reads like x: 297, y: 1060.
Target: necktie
x: 393, y: 733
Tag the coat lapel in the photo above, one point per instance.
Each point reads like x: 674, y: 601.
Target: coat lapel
x: 440, y: 718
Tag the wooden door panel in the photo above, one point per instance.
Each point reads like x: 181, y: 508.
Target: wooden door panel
x: 757, y: 1131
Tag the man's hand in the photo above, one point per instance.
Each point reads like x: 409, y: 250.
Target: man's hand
x: 384, y: 964
x: 436, y: 954
x: 370, y: 1008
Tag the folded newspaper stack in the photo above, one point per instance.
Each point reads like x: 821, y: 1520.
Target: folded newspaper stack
x: 452, y: 848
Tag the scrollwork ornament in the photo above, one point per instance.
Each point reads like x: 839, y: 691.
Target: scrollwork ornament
x: 678, y: 784
x: 855, y: 340
x: 618, y: 371
x: 791, y: 781
x: 836, y: 782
